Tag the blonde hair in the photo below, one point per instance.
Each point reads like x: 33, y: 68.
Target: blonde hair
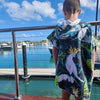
x: 71, y: 6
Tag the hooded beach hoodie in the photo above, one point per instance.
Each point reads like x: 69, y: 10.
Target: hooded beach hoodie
x: 74, y: 69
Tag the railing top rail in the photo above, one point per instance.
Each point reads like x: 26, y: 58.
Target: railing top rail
x: 93, y: 23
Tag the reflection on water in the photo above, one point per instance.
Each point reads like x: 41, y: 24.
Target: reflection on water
x: 51, y: 59
x: 19, y: 50
x: 26, y: 83
x: 47, y: 88
x: 41, y: 87
x: 5, y: 52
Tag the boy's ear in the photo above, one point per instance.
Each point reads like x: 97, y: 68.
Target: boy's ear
x: 79, y: 11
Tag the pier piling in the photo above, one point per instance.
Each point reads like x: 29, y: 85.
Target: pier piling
x: 25, y: 76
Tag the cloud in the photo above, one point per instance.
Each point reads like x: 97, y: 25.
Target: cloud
x: 25, y: 35
x: 88, y: 4
x: 29, y: 35
x: 44, y: 8
x: 91, y: 4
x: 1, y: 21
x: 60, y: 7
x: 27, y: 11
x: 0, y: 6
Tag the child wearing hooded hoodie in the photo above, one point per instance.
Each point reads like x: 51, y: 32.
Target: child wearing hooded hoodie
x: 73, y: 53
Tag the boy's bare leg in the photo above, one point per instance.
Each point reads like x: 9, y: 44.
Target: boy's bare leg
x: 65, y: 95
x: 76, y: 98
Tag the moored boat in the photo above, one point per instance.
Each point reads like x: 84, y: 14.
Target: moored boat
x: 5, y: 46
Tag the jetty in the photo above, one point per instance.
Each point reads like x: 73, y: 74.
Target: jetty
x: 37, y: 72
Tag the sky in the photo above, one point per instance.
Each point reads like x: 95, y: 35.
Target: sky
x: 28, y: 13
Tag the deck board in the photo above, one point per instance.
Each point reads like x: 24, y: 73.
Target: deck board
x: 38, y: 72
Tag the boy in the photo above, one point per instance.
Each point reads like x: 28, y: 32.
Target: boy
x: 74, y: 53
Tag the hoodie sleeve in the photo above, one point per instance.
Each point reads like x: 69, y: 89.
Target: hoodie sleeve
x: 94, y: 41
x: 89, y: 39
x: 53, y: 38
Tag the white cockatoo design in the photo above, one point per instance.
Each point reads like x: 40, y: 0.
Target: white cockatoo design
x: 70, y: 65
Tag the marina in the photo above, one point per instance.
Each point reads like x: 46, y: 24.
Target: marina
x: 44, y: 74
x: 27, y: 67
x: 39, y: 65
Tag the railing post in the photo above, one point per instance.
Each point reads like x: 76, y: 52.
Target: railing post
x: 17, y: 97
x: 25, y: 76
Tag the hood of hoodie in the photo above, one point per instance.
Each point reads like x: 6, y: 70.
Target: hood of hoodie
x: 67, y: 29
x: 68, y: 22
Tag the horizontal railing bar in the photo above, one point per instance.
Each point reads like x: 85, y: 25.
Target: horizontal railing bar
x: 40, y: 60
x: 25, y: 37
x: 38, y: 54
x: 27, y: 28
x: 93, y: 23
x: 32, y: 36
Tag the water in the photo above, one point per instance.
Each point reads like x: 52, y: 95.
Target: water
x: 41, y: 87
x: 37, y: 57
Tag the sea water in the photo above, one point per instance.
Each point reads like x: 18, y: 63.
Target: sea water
x: 37, y: 57
x: 40, y: 87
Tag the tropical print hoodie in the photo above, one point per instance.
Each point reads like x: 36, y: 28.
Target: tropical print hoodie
x: 74, y: 69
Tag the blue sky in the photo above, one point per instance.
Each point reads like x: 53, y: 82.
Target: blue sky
x: 25, y: 13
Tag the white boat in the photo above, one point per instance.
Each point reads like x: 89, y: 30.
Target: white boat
x: 5, y: 46
x: 19, y: 46
x: 31, y: 45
